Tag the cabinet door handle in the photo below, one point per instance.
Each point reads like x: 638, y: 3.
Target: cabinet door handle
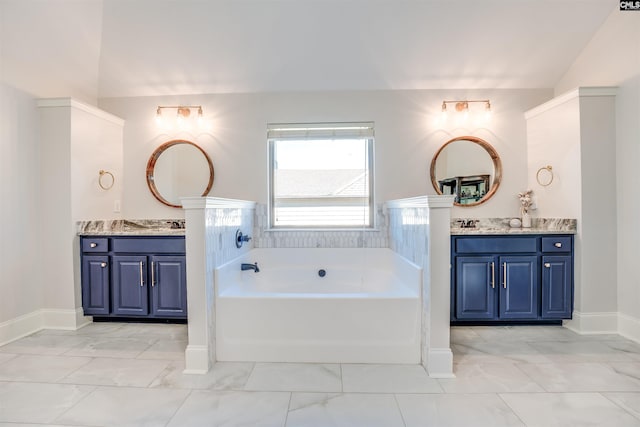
x: 493, y: 275
x: 141, y: 278
x: 153, y: 273
x: 557, y: 245
x: 103, y: 264
x: 93, y: 245
x: 547, y: 265
x: 504, y: 275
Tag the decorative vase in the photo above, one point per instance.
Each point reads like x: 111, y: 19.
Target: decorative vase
x: 526, y: 220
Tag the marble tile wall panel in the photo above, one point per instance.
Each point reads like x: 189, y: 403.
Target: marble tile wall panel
x: 408, y: 233
x: 220, y: 243
x: 409, y: 237
x: 265, y: 238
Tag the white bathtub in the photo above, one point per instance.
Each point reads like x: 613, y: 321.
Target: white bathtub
x: 365, y: 310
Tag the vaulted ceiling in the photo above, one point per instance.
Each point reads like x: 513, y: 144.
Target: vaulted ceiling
x: 105, y: 48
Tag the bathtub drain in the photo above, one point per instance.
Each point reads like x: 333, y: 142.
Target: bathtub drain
x: 322, y: 272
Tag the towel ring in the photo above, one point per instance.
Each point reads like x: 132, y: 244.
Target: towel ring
x: 101, y: 184
x: 549, y: 179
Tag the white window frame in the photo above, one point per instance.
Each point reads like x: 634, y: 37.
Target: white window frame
x: 319, y: 131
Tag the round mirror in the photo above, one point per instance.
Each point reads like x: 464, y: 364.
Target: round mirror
x: 467, y: 167
x: 177, y: 169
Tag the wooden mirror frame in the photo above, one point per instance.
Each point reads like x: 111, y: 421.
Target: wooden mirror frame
x: 497, y: 167
x: 152, y: 163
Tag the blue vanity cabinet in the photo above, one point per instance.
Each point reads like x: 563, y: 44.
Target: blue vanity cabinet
x: 496, y: 287
x: 129, y: 286
x: 475, y: 287
x: 168, y: 286
x: 518, y: 287
x: 557, y: 277
x: 95, y: 284
x: 523, y: 278
x: 141, y: 276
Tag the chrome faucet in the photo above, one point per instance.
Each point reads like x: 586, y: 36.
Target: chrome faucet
x: 253, y: 267
x: 468, y: 223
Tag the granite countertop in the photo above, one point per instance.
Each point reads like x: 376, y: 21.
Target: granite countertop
x: 493, y: 226
x: 126, y: 227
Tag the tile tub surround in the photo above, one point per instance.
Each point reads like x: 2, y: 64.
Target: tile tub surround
x: 350, y: 238
x: 501, y: 226
x: 566, y: 379
x: 132, y: 227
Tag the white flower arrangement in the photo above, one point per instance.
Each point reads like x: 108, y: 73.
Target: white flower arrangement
x: 525, y: 201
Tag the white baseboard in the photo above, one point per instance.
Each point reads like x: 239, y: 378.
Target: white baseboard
x: 593, y: 323
x: 196, y: 359
x: 439, y: 363
x: 64, y: 319
x: 29, y: 323
x: 20, y: 326
x: 629, y: 327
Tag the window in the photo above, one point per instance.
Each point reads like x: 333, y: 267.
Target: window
x: 321, y: 175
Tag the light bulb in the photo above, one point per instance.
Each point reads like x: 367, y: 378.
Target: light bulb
x: 200, y: 117
x: 487, y: 111
x: 159, y: 117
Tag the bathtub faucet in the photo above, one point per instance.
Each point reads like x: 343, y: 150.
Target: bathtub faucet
x: 253, y: 267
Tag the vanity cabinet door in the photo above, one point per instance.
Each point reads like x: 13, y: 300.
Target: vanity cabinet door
x: 130, y: 294
x: 168, y: 286
x: 475, y: 287
x: 95, y: 284
x: 518, y: 287
x: 556, y: 286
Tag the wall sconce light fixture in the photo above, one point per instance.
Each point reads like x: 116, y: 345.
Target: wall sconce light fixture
x: 182, y: 113
x: 463, y: 107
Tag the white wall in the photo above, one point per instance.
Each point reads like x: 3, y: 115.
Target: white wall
x: 55, y: 167
x: 554, y: 140
x: 77, y: 141
x: 96, y: 144
x: 627, y: 184
x: 612, y: 58
x: 20, y: 261
x: 408, y: 133
x: 599, y: 225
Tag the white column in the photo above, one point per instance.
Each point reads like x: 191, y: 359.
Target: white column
x: 197, y: 352
x: 437, y: 355
x: 211, y: 224
x: 433, y: 224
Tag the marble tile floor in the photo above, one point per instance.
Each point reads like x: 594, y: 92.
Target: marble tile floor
x: 116, y: 374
